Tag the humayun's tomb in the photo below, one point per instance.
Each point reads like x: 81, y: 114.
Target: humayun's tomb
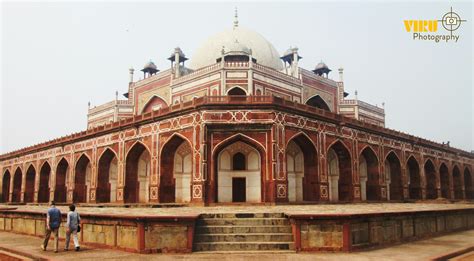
x: 240, y: 123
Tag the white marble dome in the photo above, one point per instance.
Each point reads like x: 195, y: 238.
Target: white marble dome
x: 211, y: 49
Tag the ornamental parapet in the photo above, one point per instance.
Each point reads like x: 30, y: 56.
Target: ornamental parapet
x: 229, y: 102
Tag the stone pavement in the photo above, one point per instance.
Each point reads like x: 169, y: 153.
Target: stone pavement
x: 353, y: 208
x: 419, y: 250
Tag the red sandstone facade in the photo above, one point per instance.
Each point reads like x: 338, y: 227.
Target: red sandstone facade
x: 420, y: 169
x: 273, y: 135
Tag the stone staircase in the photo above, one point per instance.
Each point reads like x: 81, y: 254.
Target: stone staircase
x: 249, y: 232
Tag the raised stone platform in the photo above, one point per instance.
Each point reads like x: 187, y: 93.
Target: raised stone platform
x: 328, y: 227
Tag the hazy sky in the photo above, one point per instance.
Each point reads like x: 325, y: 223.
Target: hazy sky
x: 58, y: 56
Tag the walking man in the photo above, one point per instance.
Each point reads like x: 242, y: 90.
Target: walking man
x: 73, y: 221
x: 53, y: 221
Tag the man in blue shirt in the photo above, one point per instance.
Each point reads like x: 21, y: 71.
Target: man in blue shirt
x: 53, y: 221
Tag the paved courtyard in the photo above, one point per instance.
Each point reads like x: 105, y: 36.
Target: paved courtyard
x: 355, y: 208
x: 419, y: 250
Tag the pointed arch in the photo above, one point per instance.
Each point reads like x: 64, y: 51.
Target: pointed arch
x: 44, y: 178
x: 468, y: 188
x: 393, y: 176
x: 107, y: 177
x: 17, y: 180
x: 237, y: 137
x: 213, y: 181
x: 137, y: 143
x: 175, y: 170
x: 236, y: 91
x: 444, y: 181
x: 457, y: 182
x: 29, y: 195
x: 60, y: 189
x: 414, y: 178
x: 137, y: 173
x: 6, y: 186
x: 318, y: 102
x: 82, y: 179
x: 300, y: 133
x: 154, y: 103
x: 431, y: 180
x: 307, y: 184
x: 344, y: 169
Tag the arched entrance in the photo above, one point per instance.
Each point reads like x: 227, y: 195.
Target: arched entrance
x: 414, y: 179
x: 431, y: 184
x: 82, y: 180
x: 43, y: 190
x: 155, y: 103
x: 318, y: 102
x: 6, y: 186
x: 369, y: 175
x: 444, y: 180
x: 60, y: 190
x: 137, y: 173
x: 107, y: 178
x: 340, y: 173
x: 236, y: 91
x: 302, y: 170
x: 176, y: 171
x: 16, y: 195
x: 457, y: 183
x: 30, y: 185
x: 468, y: 184
x: 393, y: 177
x: 239, y: 173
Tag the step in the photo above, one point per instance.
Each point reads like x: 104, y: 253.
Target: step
x: 247, y: 237
x: 245, y: 252
x: 243, y: 215
x: 243, y: 246
x: 242, y: 229
x: 243, y: 221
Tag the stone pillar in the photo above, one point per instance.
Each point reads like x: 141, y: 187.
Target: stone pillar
x: 279, y: 181
x: 403, y: 172
x: 382, y: 180
x: 153, y: 195
x: 323, y: 168
x: 71, y: 173
x: 120, y: 170
x: 93, y: 183
x: 451, y: 181
x: 200, y: 161
x: 52, y: 178
x: 438, y: 182
x: 23, y: 185
x: 12, y: 177
x: 422, y: 181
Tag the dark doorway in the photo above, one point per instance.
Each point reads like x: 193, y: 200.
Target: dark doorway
x: 80, y: 186
x: 236, y: 92
x: 60, y: 191
x: 238, y: 190
x: 444, y: 176
x: 318, y: 102
x: 6, y: 186
x: 30, y: 185
x: 43, y: 190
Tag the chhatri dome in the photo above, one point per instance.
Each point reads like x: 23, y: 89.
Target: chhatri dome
x: 262, y: 50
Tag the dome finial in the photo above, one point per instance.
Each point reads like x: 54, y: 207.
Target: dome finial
x: 236, y: 19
